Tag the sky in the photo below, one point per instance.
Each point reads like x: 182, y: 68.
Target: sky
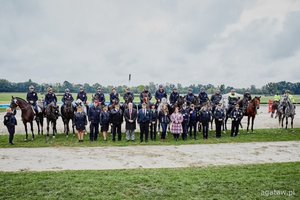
x: 231, y: 42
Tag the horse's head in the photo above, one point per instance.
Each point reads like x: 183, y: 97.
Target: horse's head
x: 256, y: 101
x: 13, y: 103
x: 145, y: 99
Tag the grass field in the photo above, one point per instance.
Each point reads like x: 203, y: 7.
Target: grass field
x: 262, y: 135
x: 229, y: 182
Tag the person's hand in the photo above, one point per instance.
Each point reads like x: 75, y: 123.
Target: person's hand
x: 31, y: 102
x: 130, y: 120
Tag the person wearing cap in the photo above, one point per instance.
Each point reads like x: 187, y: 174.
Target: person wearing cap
x: 100, y: 96
x: 143, y: 120
x: 128, y: 96
x: 232, y: 100
x: 215, y: 99
x: 114, y: 96
x: 32, y: 98
x: 246, y: 100
x: 94, y: 119
x: 174, y: 96
x: 290, y: 96
x: 219, y: 116
x: 80, y: 121
x: 190, y: 97
x: 82, y: 95
x: 236, y: 117
x: 145, y: 94
x: 116, y: 121
x: 160, y: 93
x: 50, y: 97
x: 203, y: 97
x: 130, y: 115
x: 10, y: 122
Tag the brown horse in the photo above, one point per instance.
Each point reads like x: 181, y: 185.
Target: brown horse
x: 251, y: 111
x: 27, y: 113
x: 67, y: 115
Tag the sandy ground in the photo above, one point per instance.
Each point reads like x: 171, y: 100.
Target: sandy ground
x: 101, y: 158
x: 263, y: 120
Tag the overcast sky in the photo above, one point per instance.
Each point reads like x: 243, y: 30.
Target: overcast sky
x: 231, y: 42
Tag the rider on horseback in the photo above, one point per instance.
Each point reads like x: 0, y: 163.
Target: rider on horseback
x: 232, y: 100
x: 174, y: 96
x: 291, y: 98
x: 216, y: 99
x: 203, y: 97
x: 114, y: 96
x: 190, y: 97
x: 50, y: 97
x: 32, y: 98
x: 99, y: 96
x: 128, y: 95
x: 82, y: 95
x: 247, y: 98
x: 145, y: 94
x: 160, y: 93
x: 67, y: 97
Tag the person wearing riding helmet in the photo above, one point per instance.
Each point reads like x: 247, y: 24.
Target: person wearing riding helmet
x: 50, y: 97
x: 190, y: 97
x: 66, y: 97
x: 128, y: 96
x: 232, y: 99
x: 100, y: 96
x: 145, y: 93
x: 160, y: 93
x: 174, y: 96
x: 82, y: 95
x: 32, y: 98
x: 113, y: 96
x: 203, y: 97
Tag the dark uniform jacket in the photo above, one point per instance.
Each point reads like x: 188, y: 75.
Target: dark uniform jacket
x: 127, y: 96
x: 219, y: 114
x: 190, y: 98
x: 193, y: 116
x: 104, y: 118
x: 100, y: 97
x: 164, y: 118
x: 153, y: 115
x: 94, y: 114
x: 143, y: 117
x: 10, y: 120
x: 203, y: 97
x: 67, y: 97
x: 159, y: 95
x: 145, y: 94
x: 50, y: 98
x: 113, y: 96
x: 133, y: 116
x: 236, y: 115
x: 82, y: 96
x: 116, y: 117
x: 205, y: 116
x: 80, y: 120
x: 32, y: 96
x: 216, y: 98
x: 185, y: 115
x: 174, y: 97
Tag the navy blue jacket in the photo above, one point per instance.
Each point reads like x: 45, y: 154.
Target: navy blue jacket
x: 80, y: 120
x: 193, y: 116
x: 113, y: 96
x: 10, y: 120
x: 205, y: 116
x: 116, y: 117
x: 203, y: 97
x: 216, y: 98
x: 164, y: 118
x: 174, y: 97
x: 94, y: 114
x: 159, y: 95
x: 219, y: 114
x: 143, y: 118
x: 50, y: 98
x: 100, y: 97
x: 67, y: 97
x: 145, y: 94
x: 104, y: 118
x: 153, y: 115
x: 185, y: 115
x: 82, y: 96
x: 236, y: 115
x: 127, y: 96
x: 190, y: 98
x: 32, y: 96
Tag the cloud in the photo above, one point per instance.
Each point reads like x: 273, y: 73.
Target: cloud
x: 236, y: 43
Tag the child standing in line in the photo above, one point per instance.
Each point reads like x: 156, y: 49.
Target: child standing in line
x: 104, y: 122
x: 153, y: 122
x: 10, y: 122
x: 80, y: 121
x: 176, y: 127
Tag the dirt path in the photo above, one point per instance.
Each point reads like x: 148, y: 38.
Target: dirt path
x: 100, y: 158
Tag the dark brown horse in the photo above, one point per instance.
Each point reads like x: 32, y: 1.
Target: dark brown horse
x: 251, y: 111
x: 52, y: 114
x: 67, y: 114
x: 27, y: 113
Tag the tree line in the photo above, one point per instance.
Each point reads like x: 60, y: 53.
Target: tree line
x: 268, y: 89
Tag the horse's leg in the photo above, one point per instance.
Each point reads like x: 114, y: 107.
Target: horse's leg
x: 25, y: 124
x: 292, y: 122
x: 38, y: 125
x: 47, y: 135
x: 73, y: 127
x: 286, y: 122
x: 252, y: 123
x: 31, y: 127
x: 42, y: 123
x: 225, y: 123
x: 248, y: 122
x: 54, y: 128
x: 68, y: 121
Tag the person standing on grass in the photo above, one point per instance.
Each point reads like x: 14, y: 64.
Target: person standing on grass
x: 185, y: 122
x: 116, y: 118
x: 10, y: 122
x: 219, y: 115
x: 236, y: 117
x: 104, y: 122
x: 130, y: 116
x: 164, y: 120
x: 153, y: 122
x: 144, y: 120
x: 193, y: 121
x: 205, y: 118
x: 176, y: 127
x: 94, y: 119
x: 80, y: 121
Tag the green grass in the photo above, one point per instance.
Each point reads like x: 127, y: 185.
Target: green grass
x: 260, y: 135
x: 229, y: 182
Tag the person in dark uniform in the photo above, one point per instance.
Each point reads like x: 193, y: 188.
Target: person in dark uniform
x: 219, y: 116
x: 104, y: 122
x: 116, y: 120
x: 130, y: 115
x: 153, y: 122
x: 160, y: 93
x: 236, y: 117
x: 164, y: 120
x: 215, y: 99
x: 145, y: 93
x: 10, y: 122
x: 94, y: 119
x: 80, y: 121
x: 190, y: 97
x: 174, y: 96
x: 50, y: 97
x: 193, y: 121
x: 82, y: 96
x: 100, y: 96
x: 114, y: 96
x: 128, y: 96
x: 185, y: 123
x: 143, y: 119
x: 203, y: 97
x: 205, y: 118
x: 32, y: 98
x: 232, y: 100
x: 66, y: 97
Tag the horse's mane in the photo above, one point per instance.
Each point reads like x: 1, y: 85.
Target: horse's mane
x: 19, y: 98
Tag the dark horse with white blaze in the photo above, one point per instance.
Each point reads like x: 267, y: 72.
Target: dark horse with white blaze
x: 67, y: 114
x: 52, y: 114
x: 27, y: 113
